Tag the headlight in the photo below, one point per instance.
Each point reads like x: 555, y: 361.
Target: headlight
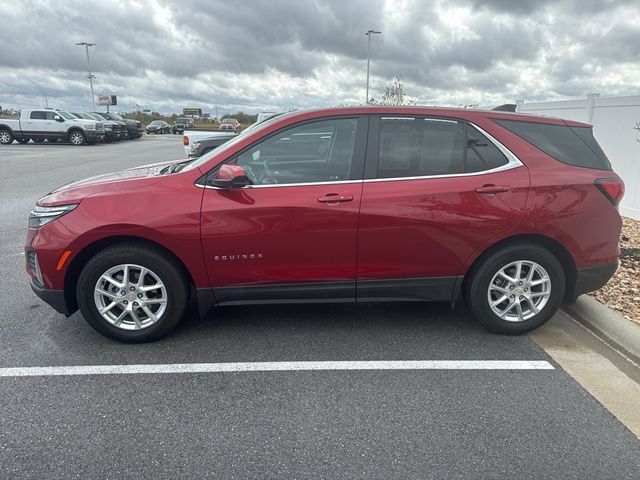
x: 90, y: 126
x: 40, y: 216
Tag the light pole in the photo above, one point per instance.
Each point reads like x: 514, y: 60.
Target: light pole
x: 90, y: 76
x: 368, y: 34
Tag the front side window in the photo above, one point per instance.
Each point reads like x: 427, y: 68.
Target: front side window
x: 417, y: 147
x: 320, y: 151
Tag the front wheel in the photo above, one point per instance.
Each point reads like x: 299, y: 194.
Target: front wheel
x: 515, y: 289
x: 132, y: 293
x: 23, y: 140
x: 77, y: 138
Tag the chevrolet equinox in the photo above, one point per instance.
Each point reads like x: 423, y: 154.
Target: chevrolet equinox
x: 512, y: 213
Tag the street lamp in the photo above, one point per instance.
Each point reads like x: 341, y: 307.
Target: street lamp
x: 90, y: 76
x: 368, y: 34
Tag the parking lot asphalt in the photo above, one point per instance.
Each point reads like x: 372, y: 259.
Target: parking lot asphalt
x: 276, y: 424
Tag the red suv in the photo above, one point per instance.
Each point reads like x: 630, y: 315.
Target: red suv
x: 512, y: 213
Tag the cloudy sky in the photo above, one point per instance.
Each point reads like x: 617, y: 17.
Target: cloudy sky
x: 255, y: 55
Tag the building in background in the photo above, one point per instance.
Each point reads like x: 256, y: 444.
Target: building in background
x: 616, y: 126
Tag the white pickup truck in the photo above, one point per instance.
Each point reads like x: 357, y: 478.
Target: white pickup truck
x: 41, y: 125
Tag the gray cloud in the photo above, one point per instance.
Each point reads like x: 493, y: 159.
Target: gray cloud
x: 266, y: 54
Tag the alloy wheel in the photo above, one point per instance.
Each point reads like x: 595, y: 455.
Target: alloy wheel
x: 76, y: 138
x: 519, y: 291
x: 5, y: 137
x: 130, y: 297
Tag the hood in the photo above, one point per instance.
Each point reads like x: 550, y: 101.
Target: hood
x: 136, y: 177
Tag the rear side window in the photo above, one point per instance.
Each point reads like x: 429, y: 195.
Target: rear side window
x: 571, y: 145
x: 38, y: 115
x: 416, y: 147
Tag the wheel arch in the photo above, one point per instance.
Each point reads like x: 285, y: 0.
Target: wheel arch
x: 556, y: 248
x: 75, y: 266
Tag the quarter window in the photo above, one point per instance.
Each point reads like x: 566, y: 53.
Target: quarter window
x: 415, y: 147
x: 315, y: 152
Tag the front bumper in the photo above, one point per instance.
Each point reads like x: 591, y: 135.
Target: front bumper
x: 55, y: 298
x: 94, y: 135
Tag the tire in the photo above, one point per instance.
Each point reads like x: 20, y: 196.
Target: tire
x: 486, y: 282
x: 77, y: 138
x: 161, y: 267
x: 23, y: 140
x: 6, y: 137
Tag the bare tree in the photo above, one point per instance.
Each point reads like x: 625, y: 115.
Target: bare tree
x: 393, y: 95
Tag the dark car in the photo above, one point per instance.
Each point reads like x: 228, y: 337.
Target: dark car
x: 182, y: 124
x: 158, y: 126
x: 206, y: 144
x: 512, y: 213
x: 134, y: 127
x: 112, y: 130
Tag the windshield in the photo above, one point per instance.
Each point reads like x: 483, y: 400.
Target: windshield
x: 67, y: 115
x: 231, y: 143
x: 155, y: 123
x: 114, y: 116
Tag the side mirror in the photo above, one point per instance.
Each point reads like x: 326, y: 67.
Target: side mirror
x: 230, y: 176
x: 58, y: 118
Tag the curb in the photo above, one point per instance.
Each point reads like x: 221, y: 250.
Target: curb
x: 607, y: 323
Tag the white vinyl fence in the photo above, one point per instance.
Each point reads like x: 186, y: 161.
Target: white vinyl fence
x: 616, y: 126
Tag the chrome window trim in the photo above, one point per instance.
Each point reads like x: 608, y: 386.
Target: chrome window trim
x: 283, y: 184
x: 512, y: 162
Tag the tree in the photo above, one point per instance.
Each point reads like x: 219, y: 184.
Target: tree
x: 393, y: 95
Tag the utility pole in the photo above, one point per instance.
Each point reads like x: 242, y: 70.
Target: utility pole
x: 368, y: 34
x: 90, y: 76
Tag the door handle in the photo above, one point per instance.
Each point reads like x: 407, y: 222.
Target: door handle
x: 491, y: 189
x: 335, y: 198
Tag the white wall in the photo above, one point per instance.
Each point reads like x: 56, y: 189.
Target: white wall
x: 613, y: 120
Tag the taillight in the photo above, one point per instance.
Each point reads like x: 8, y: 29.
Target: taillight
x: 185, y: 140
x: 612, y: 188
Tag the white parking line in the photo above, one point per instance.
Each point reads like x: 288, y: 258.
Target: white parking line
x: 276, y: 367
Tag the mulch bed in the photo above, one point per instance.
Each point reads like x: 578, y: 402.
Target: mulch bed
x: 622, y: 292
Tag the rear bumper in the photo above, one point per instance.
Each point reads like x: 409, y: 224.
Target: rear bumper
x: 592, y: 278
x: 55, y: 298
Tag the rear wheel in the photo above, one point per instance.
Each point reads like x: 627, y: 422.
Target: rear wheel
x: 516, y: 289
x: 23, y: 140
x: 77, y: 138
x: 6, y: 137
x: 132, y: 294
x: 38, y: 139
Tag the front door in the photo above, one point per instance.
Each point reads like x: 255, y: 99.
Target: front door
x: 436, y: 191
x: 292, y: 234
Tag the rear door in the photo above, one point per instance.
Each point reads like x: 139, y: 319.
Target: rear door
x: 292, y: 234
x: 436, y: 191
x: 36, y: 124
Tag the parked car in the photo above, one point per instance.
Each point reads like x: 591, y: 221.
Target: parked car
x: 112, y: 130
x: 197, y: 144
x: 193, y: 137
x: 158, y: 126
x: 42, y: 124
x: 134, y: 127
x: 181, y: 124
x: 207, y: 144
x: 512, y: 213
x: 230, y: 124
